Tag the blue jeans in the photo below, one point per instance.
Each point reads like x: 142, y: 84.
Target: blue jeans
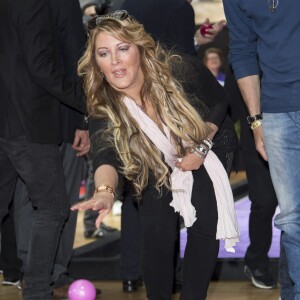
x: 282, y: 141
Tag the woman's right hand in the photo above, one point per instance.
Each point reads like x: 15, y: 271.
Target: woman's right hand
x: 189, y: 162
x: 102, y: 202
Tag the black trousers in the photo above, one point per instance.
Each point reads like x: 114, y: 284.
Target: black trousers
x: 40, y: 167
x: 131, y: 268
x: 263, y: 206
x: 25, y: 216
x: 90, y: 216
x: 159, y: 233
x: 10, y: 263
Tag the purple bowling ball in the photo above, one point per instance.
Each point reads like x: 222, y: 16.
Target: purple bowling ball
x: 82, y: 289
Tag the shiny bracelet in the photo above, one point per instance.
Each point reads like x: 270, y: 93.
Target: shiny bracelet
x: 208, y: 142
x: 202, y: 150
x: 105, y: 188
x: 255, y: 124
x: 199, y: 154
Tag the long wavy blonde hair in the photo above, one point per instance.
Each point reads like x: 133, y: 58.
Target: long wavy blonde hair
x: 137, y: 153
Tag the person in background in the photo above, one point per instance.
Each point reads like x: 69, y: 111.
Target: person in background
x: 261, y: 193
x: 265, y: 60
x: 143, y: 128
x: 213, y: 60
x: 32, y: 88
x: 75, y: 144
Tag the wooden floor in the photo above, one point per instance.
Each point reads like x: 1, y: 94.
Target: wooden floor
x: 224, y: 290
x: 112, y: 290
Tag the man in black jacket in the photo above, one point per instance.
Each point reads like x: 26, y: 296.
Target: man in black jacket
x: 70, y: 35
x: 32, y: 89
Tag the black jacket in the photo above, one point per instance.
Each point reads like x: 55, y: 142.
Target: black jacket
x: 172, y: 22
x: 32, y: 84
x: 71, y: 40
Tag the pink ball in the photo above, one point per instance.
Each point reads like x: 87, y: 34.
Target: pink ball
x: 82, y: 289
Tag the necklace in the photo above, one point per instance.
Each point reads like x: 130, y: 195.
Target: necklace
x: 273, y: 5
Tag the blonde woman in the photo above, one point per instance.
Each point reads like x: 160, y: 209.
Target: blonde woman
x: 143, y: 128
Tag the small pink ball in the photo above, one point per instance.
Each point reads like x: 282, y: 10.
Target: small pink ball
x: 82, y: 289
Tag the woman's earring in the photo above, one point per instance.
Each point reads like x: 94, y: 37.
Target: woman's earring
x: 102, y: 73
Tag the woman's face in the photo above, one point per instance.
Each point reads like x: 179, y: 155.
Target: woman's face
x: 120, y: 63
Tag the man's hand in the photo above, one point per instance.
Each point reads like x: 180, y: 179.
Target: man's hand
x: 259, y: 142
x: 81, y: 142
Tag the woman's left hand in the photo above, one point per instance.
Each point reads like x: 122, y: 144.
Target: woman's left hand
x: 190, y: 162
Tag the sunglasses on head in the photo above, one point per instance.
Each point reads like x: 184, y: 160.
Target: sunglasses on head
x: 118, y: 15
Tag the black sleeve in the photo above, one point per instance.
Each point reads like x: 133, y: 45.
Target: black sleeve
x: 181, y: 28
x: 71, y: 34
x: 236, y: 105
x: 102, y: 151
x: 72, y: 41
x: 37, y: 40
x: 202, y: 88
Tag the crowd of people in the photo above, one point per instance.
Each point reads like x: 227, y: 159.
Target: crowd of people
x: 116, y: 88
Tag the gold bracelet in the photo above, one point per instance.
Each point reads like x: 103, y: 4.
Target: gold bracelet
x: 105, y: 188
x: 255, y: 124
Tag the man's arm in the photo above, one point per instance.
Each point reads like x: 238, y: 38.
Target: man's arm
x: 244, y: 61
x: 242, y: 41
x: 250, y: 89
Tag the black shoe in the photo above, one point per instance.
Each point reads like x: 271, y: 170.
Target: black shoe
x: 130, y: 286
x: 260, y: 278
x: 102, y: 231
x: 88, y: 234
x: 107, y: 229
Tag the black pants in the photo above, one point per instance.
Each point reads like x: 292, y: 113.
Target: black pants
x: 131, y: 268
x: 263, y: 206
x: 40, y: 167
x: 90, y: 216
x: 10, y: 263
x: 159, y: 232
x: 25, y: 215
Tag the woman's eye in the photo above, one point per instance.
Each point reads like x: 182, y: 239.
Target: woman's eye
x: 124, y: 48
x: 102, y: 54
